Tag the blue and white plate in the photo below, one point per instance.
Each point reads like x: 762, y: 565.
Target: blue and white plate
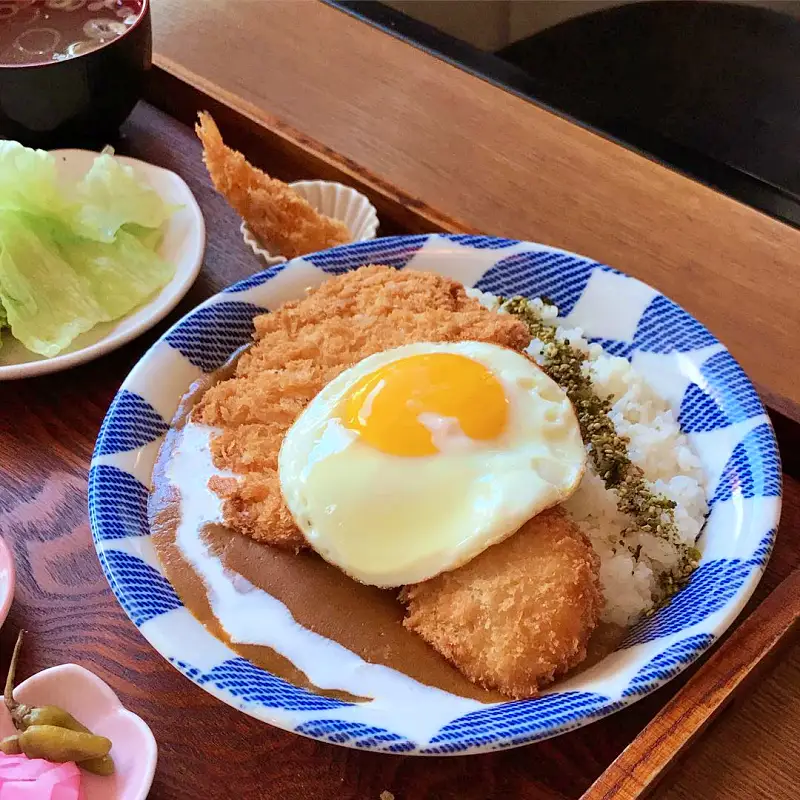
x: 716, y: 405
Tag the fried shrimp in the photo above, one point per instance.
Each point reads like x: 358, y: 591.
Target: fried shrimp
x: 304, y: 345
x: 519, y: 614
x: 276, y: 214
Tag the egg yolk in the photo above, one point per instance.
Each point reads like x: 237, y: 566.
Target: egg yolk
x: 388, y: 407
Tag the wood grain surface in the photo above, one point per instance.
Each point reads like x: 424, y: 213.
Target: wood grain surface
x: 47, y: 430
x: 500, y: 164
x: 743, y: 660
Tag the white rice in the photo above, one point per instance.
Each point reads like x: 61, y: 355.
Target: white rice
x: 665, y: 456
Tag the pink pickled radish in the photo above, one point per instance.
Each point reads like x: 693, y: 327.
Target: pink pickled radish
x: 23, y: 778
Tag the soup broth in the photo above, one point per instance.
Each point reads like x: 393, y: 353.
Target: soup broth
x: 42, y: 31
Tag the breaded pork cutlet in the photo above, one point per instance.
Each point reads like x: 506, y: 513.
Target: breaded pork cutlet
x: 276, y: 214
x: 519, y: 614
x: 299, y: 349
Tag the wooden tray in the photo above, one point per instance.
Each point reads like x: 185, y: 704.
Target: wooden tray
x: 47, y: 431
x: 687, y: 705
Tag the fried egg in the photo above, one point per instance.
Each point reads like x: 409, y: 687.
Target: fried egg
x: 415, y: 460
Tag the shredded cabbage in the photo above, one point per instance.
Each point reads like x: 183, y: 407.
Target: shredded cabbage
x: 76, y: 256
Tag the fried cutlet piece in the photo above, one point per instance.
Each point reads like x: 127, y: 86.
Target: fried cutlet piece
x: 299, y: 349
x: 276, y: 214
x: 520, y: 613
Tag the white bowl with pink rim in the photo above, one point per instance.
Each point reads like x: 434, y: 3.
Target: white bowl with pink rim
x: 94, y: 703
x: 7, y: 580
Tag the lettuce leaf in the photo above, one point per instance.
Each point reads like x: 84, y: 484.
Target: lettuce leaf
x: 45, y: 300
x: 120, y: 274
x: 71, y: 259
x: 110, y: 196
x: 3, y: 322
x: 29, y: 182
x: 55, y: 285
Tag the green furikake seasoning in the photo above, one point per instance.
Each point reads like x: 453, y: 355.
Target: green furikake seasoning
x: 608, y: 450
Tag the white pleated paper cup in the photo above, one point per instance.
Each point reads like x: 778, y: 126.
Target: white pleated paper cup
x: 332, y: 199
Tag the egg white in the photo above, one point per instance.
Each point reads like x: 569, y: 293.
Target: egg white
x: 390, y: 520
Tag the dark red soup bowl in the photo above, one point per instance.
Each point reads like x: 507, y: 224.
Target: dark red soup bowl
x: 71, y: 71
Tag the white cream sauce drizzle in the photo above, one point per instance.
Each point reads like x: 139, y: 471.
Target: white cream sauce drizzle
x: 252, y: 616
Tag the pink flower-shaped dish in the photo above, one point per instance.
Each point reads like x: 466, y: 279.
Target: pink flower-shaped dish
x: 6, y: 580
x: 93, y: 702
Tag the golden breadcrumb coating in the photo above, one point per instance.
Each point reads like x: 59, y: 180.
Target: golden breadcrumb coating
x: 299, y: 349
x: 277, y: 215
x: 520, y: 613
